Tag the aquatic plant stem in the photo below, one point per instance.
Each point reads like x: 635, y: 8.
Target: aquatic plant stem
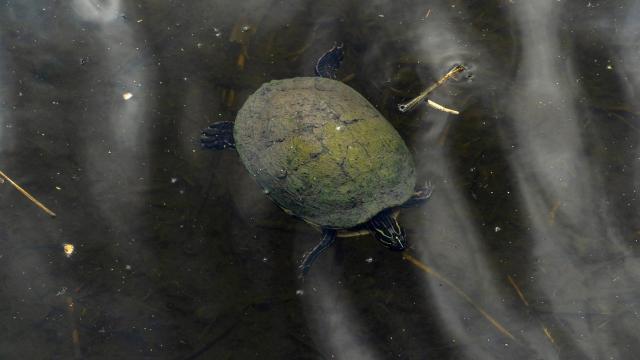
x: 462, y: 294
x: 29, y: 196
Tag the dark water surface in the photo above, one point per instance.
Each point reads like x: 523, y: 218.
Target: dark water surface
x: 178, y: 253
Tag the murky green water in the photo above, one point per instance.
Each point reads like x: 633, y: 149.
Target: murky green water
x: 533, y: 226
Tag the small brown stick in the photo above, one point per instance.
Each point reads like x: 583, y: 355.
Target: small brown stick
x: 453, y: 286
x: 445, y: 133
x: 25, y: 193
x: 515, y: 286
x: 348, y: 77
x: 408, y: 106
x: 546, y: 331
x: 75, y: 334
x: 352, y: 233
x: 552, y: 213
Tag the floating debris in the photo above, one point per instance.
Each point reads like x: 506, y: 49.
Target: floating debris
x: 241, y: 33
x: 28, y: 196
x: 127, y: 96
x: 68, y: 249
x: 517, y: 289
x: 411, y: 104
x: 437, y: 106
x: 62, y: 291
x: 368, y: 260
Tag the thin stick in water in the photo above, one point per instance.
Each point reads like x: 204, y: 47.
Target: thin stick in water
x: 408, y: 106
x: 545, y: 330
x: 453, y: 286
x: 29, y: 196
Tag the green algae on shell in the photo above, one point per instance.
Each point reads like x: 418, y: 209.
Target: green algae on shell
x: 322, y: 152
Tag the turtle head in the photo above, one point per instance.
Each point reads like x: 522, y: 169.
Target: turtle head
x: 385, y: 228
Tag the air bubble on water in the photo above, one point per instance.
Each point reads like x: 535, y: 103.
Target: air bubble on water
x: 174, y: 180
x: 497, y: 229
x: 299, y: 292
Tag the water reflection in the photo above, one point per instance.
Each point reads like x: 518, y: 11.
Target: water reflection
x: 178, y: 252
x: 97, y: 11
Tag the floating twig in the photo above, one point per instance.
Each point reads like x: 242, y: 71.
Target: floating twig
x: 437, y: 106
x: 29, y: 196
x: 517, y: 289
x: 411, y: 104
x: 453, y: 286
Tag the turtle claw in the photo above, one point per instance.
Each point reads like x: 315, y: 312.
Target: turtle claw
x: 218, y: 136
x: 421, y: 195
x: 424, y: 193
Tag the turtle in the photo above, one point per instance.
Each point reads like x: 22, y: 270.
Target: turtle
x: 325, y: 155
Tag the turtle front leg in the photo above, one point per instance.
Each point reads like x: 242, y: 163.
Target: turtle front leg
x: 328, y: 237
x: 218, y: 136
x: 329, y: 63
x: 421, y: 195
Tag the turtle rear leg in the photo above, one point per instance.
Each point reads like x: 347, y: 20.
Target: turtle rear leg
x: 218, y: 136
x: 421, y: 195
x: 328, y: 237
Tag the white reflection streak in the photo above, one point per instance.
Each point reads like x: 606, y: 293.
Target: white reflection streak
x: 337, y: 326
x: 450, y: 242
x: 629, y: 41
x: 3, y: 102
x: 117, y: 163
x: 97, y: 11
x: 551, y: 169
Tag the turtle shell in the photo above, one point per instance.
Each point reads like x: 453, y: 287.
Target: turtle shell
x: 322, y: 152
